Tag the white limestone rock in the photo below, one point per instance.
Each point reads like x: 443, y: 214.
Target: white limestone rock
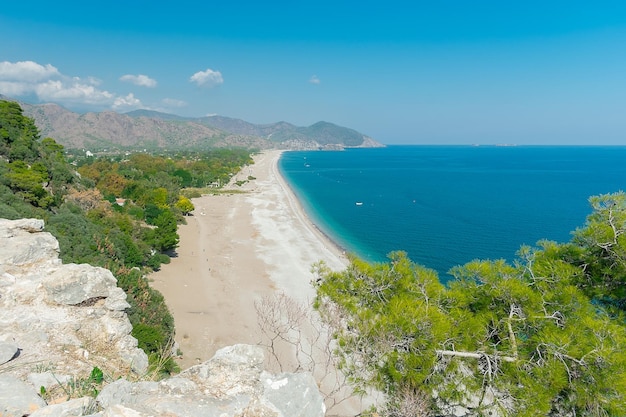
x: 18, y: 398
x: 74, y: 284
x: 230, y: 384
x: 71, y: 408
x: 8, y: 351
x: 48, y: 380
x: 25, y: 244
x: 48, y: 310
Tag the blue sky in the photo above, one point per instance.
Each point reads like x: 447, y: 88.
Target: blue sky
x: 445, y: 72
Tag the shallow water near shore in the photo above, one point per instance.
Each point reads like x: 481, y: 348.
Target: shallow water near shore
x: 448, y: 205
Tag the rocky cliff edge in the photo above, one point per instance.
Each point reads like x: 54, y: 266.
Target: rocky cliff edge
x: 60, y: 322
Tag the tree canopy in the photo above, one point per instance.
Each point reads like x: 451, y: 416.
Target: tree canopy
x: 544, y: 335
x: 18, y: 134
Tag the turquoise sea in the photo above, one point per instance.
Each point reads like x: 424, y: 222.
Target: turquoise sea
x: 447, y: 205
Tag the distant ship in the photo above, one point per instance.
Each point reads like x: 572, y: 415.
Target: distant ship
x: 359, y: 203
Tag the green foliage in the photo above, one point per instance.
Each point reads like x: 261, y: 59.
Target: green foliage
x: 135, y: 212
x: 186, y: 179
x: 522, y: 339
x: 599, y: 250
x: 152, y: 212
x: 382, y: 305
x: 184, y: 205
x: 79, y: 238
x: 28, y: 182
x: 13, y: 206
x: 165, y: 236
x: 60, y: 173
x: 97, y: 376
x: 156, y: 260
x: 152, y: 340
x: 149, y: 338
x: 18, y: 134
x: 36, y: 170
x: 153, y: 325
x: 143, y: 172
x: 75, y: 387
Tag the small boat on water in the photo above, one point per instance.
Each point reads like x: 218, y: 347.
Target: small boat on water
x: 359, y: 203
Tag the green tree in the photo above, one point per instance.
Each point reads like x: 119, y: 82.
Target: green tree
x: 520, y: 339
x: 151, y: 213
x: 186, y: 179
x: 29, y: 181
x: 599, y: 250
x: 166, y: 237
x: 59, y: 170
x: 18, y: 134
x: 112, y: 183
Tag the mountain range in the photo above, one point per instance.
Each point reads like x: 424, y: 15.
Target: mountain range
x: 156, y: 130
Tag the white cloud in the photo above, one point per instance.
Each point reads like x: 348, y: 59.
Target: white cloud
x: 92, y: 80
x: 208, y: 78
x: 48, y: 84
x: 314, y: 79
x: 26, y: 71
x: 172, y: 102
x: 130, y: 101
x: 11, y: 88
x: 141, y: 80
x: 74, y: 91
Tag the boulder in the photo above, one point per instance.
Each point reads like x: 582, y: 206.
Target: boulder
x: 71, y: 408
x: 293, y: 394
x: 25, y: 244
x: 121, y: 411
x: 11, y: 228
x: 47, y: 380
x: 18, y: 398
x: 75, y: 284
x: 230, y: 384
x: 62, y: 318
x: 8, y: 351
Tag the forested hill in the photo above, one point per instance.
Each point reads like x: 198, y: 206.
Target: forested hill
x: 155, y: 130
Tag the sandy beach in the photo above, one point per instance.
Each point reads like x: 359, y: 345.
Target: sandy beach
x: 234, y: 250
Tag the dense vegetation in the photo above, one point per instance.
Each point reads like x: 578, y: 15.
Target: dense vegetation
x: 118, y: 212
x: 544, y: 336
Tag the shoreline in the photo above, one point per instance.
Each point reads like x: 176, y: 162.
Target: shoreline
x: 300, y: 210
x: 235, y: 250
